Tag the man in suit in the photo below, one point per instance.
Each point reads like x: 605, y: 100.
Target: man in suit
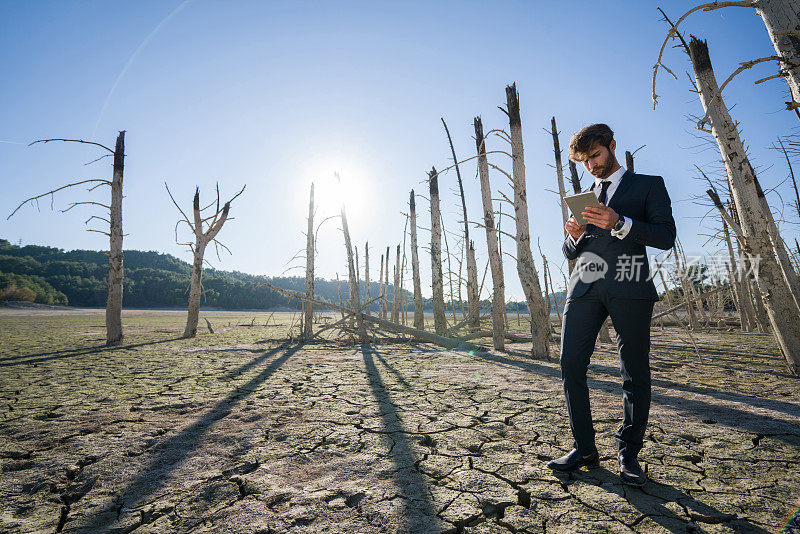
x: 611, y: 277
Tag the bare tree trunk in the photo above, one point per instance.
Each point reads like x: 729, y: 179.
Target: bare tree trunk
x: 576, y: 188
x: 449, y: 272
x: 380, y: 290
x: 368, y: 297
x: 473, y: 299
x: 339, y: 289
x: 689, y: 285
x: 680, y: 263
x: 439, y: 319
x: 604, y: 335
x: 781, y: 19
x: 751, y: 292
x: 308, y: 307
x: 202, y: 239
x: 559, y: 175
x: 498, y: 284
x: 526, y: 268
x: 736, y: 283
x: 419, y: 313
x: 402, y: 276
x: 352, y: 282
x: 743, y: 306
x: 778, y: 302
x: 629, y: 161
x: 778, y: 244
x: 552, y: 288
x: 115, y: 269
x: 386, y: 287
x: 396, y: 288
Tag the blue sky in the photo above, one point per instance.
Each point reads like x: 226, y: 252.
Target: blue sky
x: 277, y: 94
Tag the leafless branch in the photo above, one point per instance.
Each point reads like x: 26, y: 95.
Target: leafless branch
x: 86, y: 202
x: 98, y: 159
x: 742, y: 67
x: 72, y: 141
x: 674, y: 31
x: 54, y: 191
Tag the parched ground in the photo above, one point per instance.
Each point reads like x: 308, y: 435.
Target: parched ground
x: 242, y: 431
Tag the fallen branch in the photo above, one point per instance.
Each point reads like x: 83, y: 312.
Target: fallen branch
x: 443, y: 341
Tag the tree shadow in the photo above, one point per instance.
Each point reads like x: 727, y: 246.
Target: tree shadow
x: 787, y: 408
x: 651, y: 500
x: 727, y: 415
x: 729, y: 363
x: 69, y: 353
x: 420, y: 512
x: 395, y: 372
x: 178, y: 447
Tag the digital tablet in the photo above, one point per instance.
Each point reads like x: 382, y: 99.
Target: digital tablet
x: 577, y: 204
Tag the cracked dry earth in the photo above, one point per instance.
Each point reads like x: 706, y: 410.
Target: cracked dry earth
x: 243, y: 432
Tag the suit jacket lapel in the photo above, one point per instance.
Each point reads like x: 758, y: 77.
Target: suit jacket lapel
x: 622, y: 188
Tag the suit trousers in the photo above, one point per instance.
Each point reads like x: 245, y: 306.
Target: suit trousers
x: 583, y: 317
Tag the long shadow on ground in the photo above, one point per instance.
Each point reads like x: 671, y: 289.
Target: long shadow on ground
x: 395, y: 372
x: 650, y: 500
x: 22, y: 359
x: 181, y: 445
x: 728, y: 415
x: 420, y: 513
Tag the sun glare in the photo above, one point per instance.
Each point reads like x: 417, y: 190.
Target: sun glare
x: 336, y: 182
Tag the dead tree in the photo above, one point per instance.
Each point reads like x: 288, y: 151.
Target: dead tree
x: 380, y: 290
x: 498, y: 284
x: 781, y: 21
x: 449, y: 270
x: 784, y: 262
x: 368, y: 296
x: 778, y: 301
x: 308, y: 307
x: 205, y: 231
x: 339, y: 290
x: 114, y: 220
x: 419, y: 313
x: 473, y: 298
x: 396, y: 288
x: 437, y: 282
x: 752, y: 294
x: 526, y: 268
x: 576, y: 188
x: 401, y: 277
x: 743, y: 305
x: 386, y: 287
x: 559, y: 174
x: 472, y: 267
x: 352, y: 283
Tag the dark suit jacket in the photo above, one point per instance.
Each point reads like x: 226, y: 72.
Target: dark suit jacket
x: 643, y: 199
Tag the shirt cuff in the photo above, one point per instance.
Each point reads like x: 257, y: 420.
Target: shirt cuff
x: 575, y: 241
x: 622, y: 232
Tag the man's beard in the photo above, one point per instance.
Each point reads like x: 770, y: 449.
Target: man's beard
x: 604, y: 170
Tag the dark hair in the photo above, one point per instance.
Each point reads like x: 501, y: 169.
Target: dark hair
x: 584, y: 139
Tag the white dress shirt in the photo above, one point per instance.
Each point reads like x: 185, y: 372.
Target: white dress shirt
x: 615, y: 178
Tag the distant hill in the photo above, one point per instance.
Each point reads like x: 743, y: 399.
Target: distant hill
x: 78, y: 278
x: 152, y: 280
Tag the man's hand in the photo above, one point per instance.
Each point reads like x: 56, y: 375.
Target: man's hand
x: 603, y: 217
x: 574, y: 229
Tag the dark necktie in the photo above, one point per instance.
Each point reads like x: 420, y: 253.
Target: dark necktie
x: 604, y: 184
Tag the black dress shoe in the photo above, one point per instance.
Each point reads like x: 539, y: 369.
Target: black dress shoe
x: 631, y: 472
x: 573, y: 460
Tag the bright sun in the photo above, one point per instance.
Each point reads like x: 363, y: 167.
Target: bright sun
x: 331, y: 192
